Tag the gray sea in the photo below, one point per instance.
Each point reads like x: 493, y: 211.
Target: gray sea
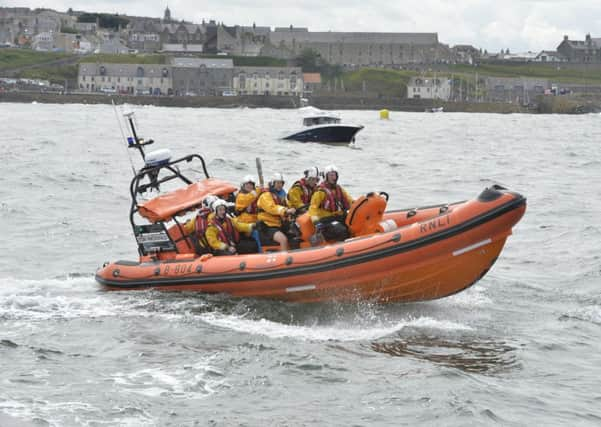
x: 522, y: 347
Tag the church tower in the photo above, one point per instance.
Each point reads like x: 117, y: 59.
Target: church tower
x: 167, y: 17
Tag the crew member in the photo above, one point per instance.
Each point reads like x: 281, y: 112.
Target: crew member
x: 223, y: 233
x: 329, y: 205
x: 246, y: 201
x: 197, y: 226
x: 299, y: 195
x: 273, y: 208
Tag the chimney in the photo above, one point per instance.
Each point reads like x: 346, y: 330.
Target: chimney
x: 565, y: 38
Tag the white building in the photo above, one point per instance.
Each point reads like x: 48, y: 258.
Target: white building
x: 43, y: 41
x: 134, y: 79
x: 429, y: 88
x: 550, y: 56
x: 268, y: 81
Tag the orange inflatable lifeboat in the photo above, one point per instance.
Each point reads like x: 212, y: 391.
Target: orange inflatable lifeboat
x: 401, y: 255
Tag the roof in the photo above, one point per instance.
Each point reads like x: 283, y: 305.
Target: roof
x: 121, y: 70
x: 312, y: 77
x: 197, y: 62
x: 258, y: 31
x: 428, y: 81
x: 287, y: 36
x: 262, y: 70
x: 179, y: 47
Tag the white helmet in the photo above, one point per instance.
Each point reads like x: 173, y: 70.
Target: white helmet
x: 312, y: 172
x: 276, y: 177
x: 208, y: 200
x: 247, y: 179
x: 217, y: 203
x: 328, y: 169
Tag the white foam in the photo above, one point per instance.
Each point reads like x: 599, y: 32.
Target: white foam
x: 187, y: 382
x: 72, y: 298
x: 591, y: 313
x: 335, y: 332
x: 472, y: 297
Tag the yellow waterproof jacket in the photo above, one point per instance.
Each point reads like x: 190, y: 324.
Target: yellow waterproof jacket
x: 212, y: 233
x: 270, y: 212
x: 190, y: 228
x: 243, y: 202
x: 316, y: 210
x: 295, y: 197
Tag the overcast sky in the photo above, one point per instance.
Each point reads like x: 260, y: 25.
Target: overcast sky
x: 519, y: 25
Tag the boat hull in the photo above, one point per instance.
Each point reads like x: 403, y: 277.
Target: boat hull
x: 328, y: 134
x: 424, y: 258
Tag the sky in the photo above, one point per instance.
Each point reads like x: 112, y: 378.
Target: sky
x: 517, y: 25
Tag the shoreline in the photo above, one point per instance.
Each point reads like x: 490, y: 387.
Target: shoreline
x: 557, y: 105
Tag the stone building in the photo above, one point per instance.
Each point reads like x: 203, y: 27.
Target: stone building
x: 438, y: 87
x: 134, y: 79
x: 354, y: 49
x: 151, y: 34
x: 242, y: 41
x: 279, y: 81
x: 25, y: 23
x: 519, y: 89
x: 202, y: 76
x: 581, y: 51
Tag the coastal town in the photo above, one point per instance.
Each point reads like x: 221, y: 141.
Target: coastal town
x: 167, y: 57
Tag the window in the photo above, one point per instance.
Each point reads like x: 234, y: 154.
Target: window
x: 140, y: 72
x: 293, y: 80
x: 165, y: 72
x: 102, y: 70
x: 242, y: 80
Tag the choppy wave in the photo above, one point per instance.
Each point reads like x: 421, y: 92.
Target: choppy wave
x: 340, y: 331
x: 591, y: 313
x: 64, y: 206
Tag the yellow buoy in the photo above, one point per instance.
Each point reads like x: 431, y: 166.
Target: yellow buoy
x: 384, y: 114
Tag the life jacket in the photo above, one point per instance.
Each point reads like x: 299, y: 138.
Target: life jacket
x: 226, y: 230
x: 334, y: 200
x: 307, y: 191
x: 201, y: 222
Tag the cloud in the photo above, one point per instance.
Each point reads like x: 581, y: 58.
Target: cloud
x: 519, y: 25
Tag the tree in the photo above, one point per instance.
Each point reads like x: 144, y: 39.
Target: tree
x: 105, y: 20
x: 309, y: 60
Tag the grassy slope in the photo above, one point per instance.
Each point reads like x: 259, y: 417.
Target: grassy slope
x: 533, y: 70
x: 385, y: 82
x: 125, y: 59
x: 15, y: 58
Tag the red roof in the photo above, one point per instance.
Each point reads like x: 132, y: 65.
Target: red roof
x: 312, y: 77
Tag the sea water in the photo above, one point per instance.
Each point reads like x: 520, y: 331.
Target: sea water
x: 522, y: 347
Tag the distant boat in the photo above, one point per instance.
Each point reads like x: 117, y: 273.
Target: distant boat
x: 435, y: 110
x: 324, y: 127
